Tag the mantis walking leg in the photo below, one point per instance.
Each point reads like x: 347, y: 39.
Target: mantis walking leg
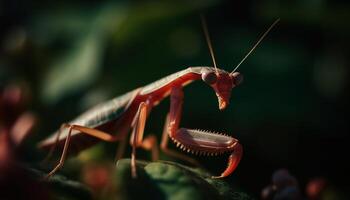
x: 136, y: 140
x: 89, y: 131
x: 52, y: 148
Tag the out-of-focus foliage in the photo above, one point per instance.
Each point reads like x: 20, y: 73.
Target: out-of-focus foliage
x: 87, y: 37
x: 60, y: 187
x: 291, y: 111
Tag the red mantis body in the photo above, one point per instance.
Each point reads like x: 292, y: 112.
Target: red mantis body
x: 138, y: 103
x: 130, y: 111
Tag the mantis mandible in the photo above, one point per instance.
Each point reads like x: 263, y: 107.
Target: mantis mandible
x: 130, y: 111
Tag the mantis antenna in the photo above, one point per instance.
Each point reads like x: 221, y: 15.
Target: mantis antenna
x: 251, y: 50
x: 206, y: 33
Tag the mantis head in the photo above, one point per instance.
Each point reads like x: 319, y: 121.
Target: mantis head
x: 222, y: 83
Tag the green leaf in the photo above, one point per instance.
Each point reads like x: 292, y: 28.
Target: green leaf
x: 168, y: 180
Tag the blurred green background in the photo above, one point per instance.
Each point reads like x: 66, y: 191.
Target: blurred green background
x: 290, y: 112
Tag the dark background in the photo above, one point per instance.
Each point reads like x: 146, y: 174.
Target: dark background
x: 290, y: 112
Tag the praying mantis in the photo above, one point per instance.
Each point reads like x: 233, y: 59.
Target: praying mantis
x: 131, y: 110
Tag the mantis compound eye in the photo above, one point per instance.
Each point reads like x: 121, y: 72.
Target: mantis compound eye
x: 209, y: 77
x: 237, y: 78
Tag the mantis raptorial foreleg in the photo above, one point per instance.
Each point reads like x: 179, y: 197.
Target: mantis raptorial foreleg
x: 170, y: 152
x: 198, y: 141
